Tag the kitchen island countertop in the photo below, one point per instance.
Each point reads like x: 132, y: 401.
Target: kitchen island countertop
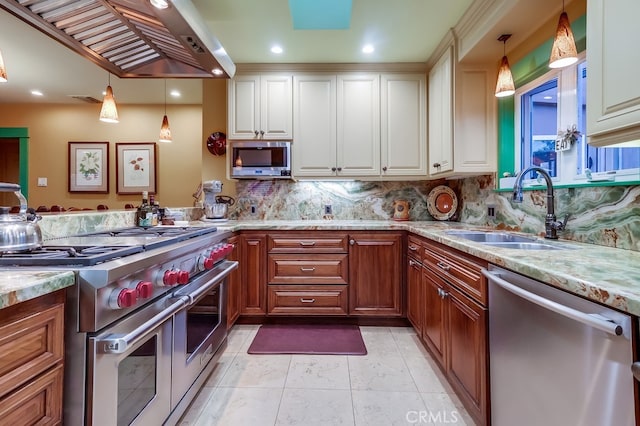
x: 20, y: 285
x: 603, y: 274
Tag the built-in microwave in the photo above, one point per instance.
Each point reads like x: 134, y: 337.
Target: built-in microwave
x: 260, y: 159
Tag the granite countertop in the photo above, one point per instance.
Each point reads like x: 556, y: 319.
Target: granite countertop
x: 19, y: 285
x: 606, y: 275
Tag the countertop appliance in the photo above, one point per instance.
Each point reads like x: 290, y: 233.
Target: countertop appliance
x: 555, y: 358
x: 145, y: 322
x: 260, y: 160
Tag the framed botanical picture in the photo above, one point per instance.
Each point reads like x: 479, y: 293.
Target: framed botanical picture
x: 89, y: 167
x: 136, y: 167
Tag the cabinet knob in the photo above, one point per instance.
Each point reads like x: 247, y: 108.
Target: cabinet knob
x: 256, y: 132
x: 333, y: 169
x: 352, y: 242
x: 303, y: 300
x: 261, y: 133
x: 436, y: 165
x: 384, y: 169
x: 339, y: 169
x: 443, y: 266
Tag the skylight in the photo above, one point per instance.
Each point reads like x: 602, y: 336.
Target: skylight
x: 320, y: 15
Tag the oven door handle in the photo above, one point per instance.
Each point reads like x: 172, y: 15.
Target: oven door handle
x: 194, y: 295
x: 119, y: 343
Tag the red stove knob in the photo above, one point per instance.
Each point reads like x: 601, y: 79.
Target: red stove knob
x: 127, y: 298
x: 183, y: 277
x: 216, y: 254
x: 170, y: 277
x: 144, y: 289
x: 228, y: 248
x: 208, y: 263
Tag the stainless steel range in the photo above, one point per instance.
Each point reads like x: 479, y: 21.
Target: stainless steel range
x: 145, y: 321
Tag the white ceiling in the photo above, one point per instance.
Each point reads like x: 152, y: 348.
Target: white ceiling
x: 401, y: 31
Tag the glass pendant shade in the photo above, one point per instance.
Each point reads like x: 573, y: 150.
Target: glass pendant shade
x: 109, y: 112
x: 165, y: 131
x: 3, y: 71
x: 563, y: 52
x: 505, y: 85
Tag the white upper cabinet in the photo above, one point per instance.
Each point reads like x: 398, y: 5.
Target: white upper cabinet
x: 403, y: 125
x: 613, y: 92
x: 314, y: 124
x: 441, y: 114
x: 358, y: 120
x: 260, y: 107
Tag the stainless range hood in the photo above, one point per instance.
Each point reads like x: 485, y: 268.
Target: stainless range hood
x: 131, y: 38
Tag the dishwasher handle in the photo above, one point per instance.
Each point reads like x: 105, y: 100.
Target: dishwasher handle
x: 595, y: 321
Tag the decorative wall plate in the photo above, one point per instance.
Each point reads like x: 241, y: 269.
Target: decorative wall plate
x: 442, y: 202
x: 217, y: 143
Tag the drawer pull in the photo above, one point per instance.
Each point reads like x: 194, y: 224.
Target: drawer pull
x: 307, y: 269
x: 303, y: 300
x: 413, y: 248
x: 307, y: 243
x: 443, y: 266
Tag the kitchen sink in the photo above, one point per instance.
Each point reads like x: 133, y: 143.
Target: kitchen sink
x: 507, y: 240
x: 491, y: 237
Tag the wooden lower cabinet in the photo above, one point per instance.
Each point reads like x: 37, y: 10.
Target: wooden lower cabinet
x: 253, y: 251
x: 234, y: 284
x: 415, y: 294
x: 376, y: 274
x: 434, y: 324
x: 31, y: 361
x: 308, y: 299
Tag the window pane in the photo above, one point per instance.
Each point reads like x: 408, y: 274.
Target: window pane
x: 539, y: 127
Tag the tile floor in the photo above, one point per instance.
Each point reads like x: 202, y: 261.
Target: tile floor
x: 396, y: 383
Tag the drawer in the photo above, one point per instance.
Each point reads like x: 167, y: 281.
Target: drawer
x: 307, y: 242
x: 308, y: 269
x: 459, y: 269
x: 414, y: 247
x: 30, y: 345
x: 37, y: 403
x: 308, y: 300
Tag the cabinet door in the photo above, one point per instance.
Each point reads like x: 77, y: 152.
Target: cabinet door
x: 254, y: 274
x: 434, y: 315
x: 244, y: 106
x: 234, y: 283
x: 441, y: 114
x: 467, y: 360
x: 414, y: 294
x: 358, y: 125
x: 375, y: 274
x: 403, y: 124
x: 613, y: 92
x: 314, y: 124
x: 276, y: 108
x: 475, y: 120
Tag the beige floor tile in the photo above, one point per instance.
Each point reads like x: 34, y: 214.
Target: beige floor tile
x: 409, y: 345
x: 427, y: 378
x: 262, y: 371
x: 194, y: 410
x: 241, y: 406
x: 318, y: 372
x: 240, y: 337
x: 315, y: 407
x: 373, y: 408
x: 385, y: 373
x: 442, y: 408
x: 380, y: 343
x: 224, y: 362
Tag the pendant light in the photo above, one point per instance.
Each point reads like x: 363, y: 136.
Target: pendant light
x: 564, y: 51
x: 165, y: 131
x: 505, y: 85
x: 109, y: 112
x: 3, y: 70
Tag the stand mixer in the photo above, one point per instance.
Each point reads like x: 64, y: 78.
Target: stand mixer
x: 215, y: 206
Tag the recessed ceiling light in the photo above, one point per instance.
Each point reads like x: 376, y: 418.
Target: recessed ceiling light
x: 36, y: 93
x: 175, y: 93
x: 217, y: 71
x: 367, y: 48
x: 276, y: 49
x: 159, y: 4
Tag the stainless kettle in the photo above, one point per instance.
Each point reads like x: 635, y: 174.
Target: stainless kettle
x: 18, y: 232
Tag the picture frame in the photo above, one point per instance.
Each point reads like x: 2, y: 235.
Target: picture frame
x: 136, y: 167
x: 88, y: 167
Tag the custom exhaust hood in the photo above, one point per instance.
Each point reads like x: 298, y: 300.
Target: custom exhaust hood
x: 131, y: 38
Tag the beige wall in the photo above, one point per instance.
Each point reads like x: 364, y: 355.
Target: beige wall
x: 52, y: 126
x: 214, y: 119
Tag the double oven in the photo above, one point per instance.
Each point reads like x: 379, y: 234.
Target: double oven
x: 145, y: 326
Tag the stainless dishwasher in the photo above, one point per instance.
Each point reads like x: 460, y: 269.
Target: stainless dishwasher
x: 555, y: 358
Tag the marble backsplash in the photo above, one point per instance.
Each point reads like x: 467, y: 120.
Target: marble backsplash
x: 608, y: 216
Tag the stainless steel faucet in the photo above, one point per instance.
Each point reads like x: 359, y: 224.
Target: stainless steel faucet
x: 551, y: 225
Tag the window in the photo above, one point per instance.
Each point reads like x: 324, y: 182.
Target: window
x: 555, y: 102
